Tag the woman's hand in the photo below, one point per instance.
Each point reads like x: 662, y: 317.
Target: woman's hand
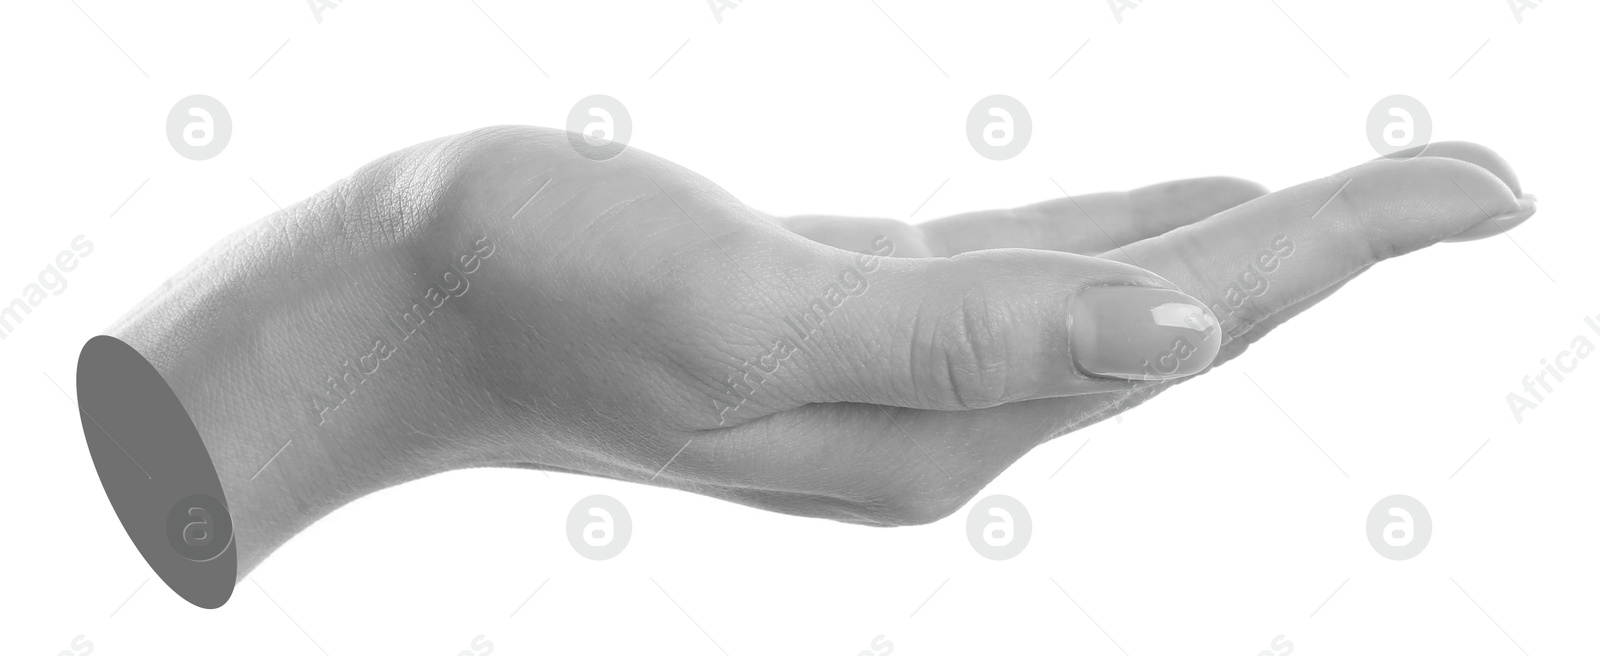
x: 497, y: 298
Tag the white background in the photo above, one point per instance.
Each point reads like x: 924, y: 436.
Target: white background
x: 1203, y: 522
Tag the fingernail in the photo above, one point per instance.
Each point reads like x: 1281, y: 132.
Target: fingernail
x: 1527, y: 205
x: 1141, y: 333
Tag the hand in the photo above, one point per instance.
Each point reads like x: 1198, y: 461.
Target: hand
x: 507, y: 301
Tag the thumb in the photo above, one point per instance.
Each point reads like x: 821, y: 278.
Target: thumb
x: 998, y: 326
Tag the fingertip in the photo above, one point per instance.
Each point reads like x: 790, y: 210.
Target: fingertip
x: 1490, y: 163
x: 1467, y: 151
x: 1527, y: 206
x: 1404, y: 179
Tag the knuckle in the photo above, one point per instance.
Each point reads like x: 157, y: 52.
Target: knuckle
x: 1373, y: 202
x: 968, y: 351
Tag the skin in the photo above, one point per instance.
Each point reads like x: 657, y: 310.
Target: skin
x: 610, y: 301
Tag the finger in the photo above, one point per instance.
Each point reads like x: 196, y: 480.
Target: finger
x: 993, y: 327
x: 1460, y: 150
x: 1489, y: 160
x: 1271, y: 253
x: 1021, y: 426
x: 1085, y: 224
x: 1388, y: 208
x: 1111, y: 404
x: 1091, y: 223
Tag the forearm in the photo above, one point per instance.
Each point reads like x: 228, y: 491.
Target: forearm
x: 268, y: 341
